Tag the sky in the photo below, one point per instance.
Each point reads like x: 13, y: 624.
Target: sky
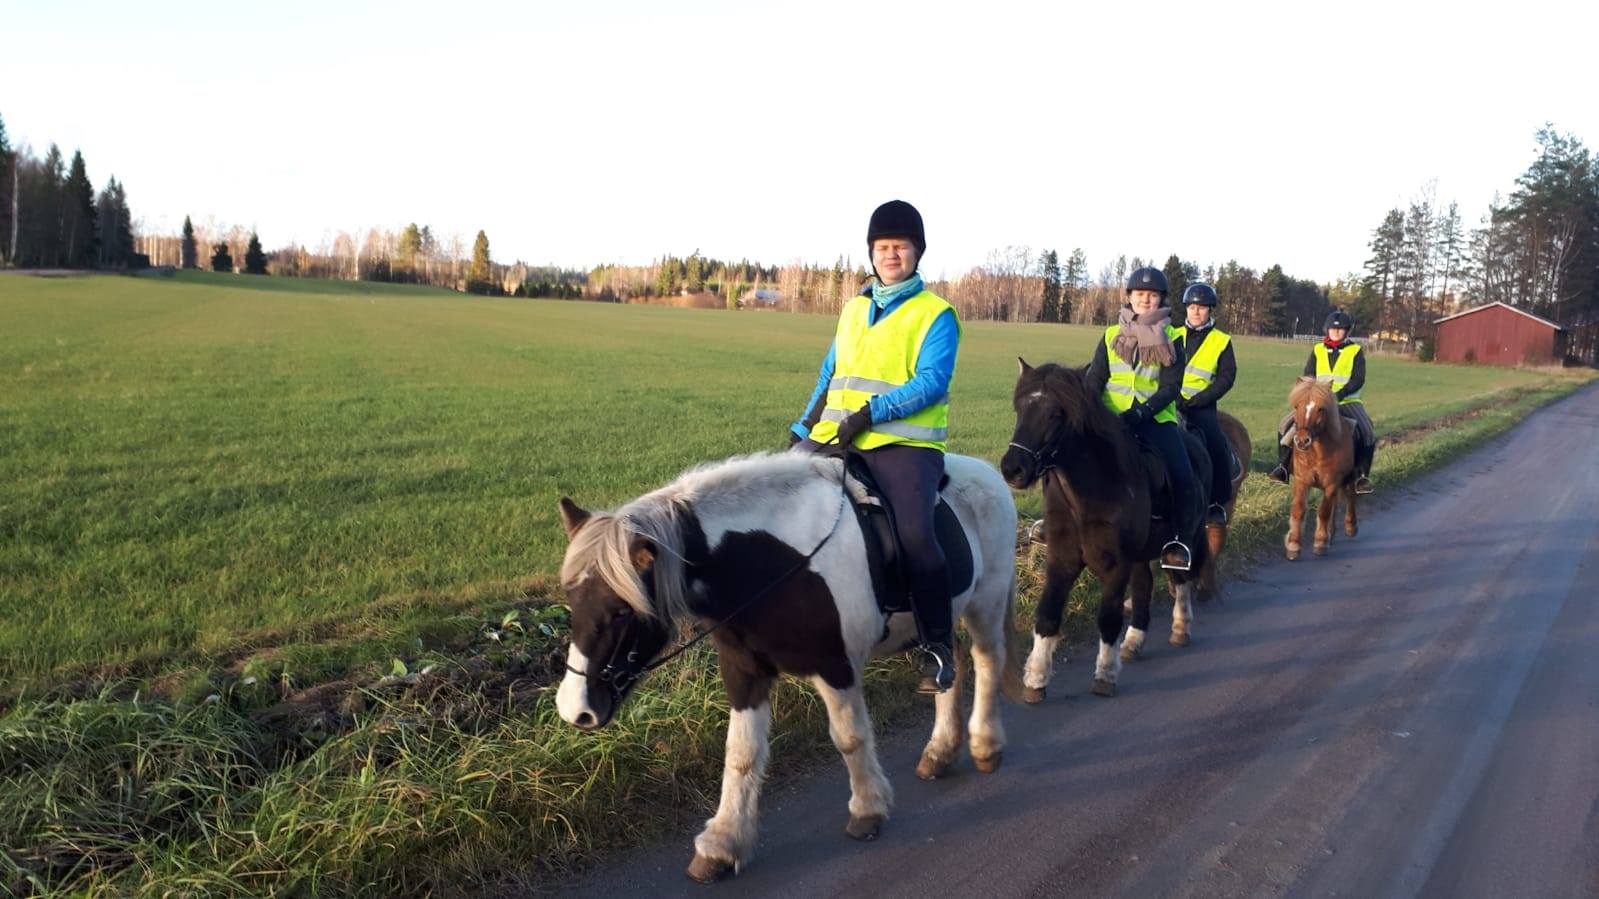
x: 578, y: 133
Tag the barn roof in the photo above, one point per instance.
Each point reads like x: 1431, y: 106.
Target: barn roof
x: 1538, y: 319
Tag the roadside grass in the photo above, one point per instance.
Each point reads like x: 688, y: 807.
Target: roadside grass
x: 276, y: 614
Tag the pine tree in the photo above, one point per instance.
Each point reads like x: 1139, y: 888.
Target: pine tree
x: 1176, y: 282
x: 78, y: 220
x: 1382, y: 269
x: 479, y: 275
x: 8, y: 181
x: 255, y: 261
x: 1073, y: 281
x: 1049, y: 305
x: 188, y: 253
x: 116, y: 226
x: 221, y: 259
x: 1275, y: 286
x: 408, y: 252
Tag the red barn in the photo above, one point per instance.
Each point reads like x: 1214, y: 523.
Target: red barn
x: 1497, y: 334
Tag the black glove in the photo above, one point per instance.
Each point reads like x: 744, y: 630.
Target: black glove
x: 1137, y: 415
x: 857, y: 423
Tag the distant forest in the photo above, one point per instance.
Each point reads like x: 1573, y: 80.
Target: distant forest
x: 1537, y: 249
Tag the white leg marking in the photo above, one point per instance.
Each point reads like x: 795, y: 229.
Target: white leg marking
x: 851, y: 730
x: 1182, y: 615
x: 1041, y: 662
x: 572, y: 699
x: 1108, y: 666
x: 730, y: 835
x: 987, y: 733
x: 1134, y: 641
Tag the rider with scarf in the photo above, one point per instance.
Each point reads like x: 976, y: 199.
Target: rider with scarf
x: 1138, y: 369
x: 883, y: 389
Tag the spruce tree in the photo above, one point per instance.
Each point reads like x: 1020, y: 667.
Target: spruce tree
x: 221, y: 259
x: 1049, y: 305
x: 255, y: 261
x: 189, y: 253
x: 78, y: 220
x: 478, y: 276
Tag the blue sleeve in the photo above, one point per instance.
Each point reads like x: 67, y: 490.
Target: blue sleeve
x: 935, y: 366
x: 813, y: 406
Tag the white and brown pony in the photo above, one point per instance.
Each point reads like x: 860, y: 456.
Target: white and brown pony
x: 763, y: 553
x: 1324, y: 457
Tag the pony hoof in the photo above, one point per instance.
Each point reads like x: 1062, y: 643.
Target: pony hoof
x: 931, y: 768
x: 863, y: 828
x: 1350, y: 532
x: 1292, y: 555
x: 1320, y: 550
x: 708, y: 870
x: 1104, y: 687
x: 988, y: 764
x: 1033, y: 695
x: 1179, y: 639
x: 1130, y: 654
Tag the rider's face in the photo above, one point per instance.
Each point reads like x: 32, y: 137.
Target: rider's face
x: 1144, y: 301
x: 1198, y: 315
x: 1336, y: 335
x: 894, y: 258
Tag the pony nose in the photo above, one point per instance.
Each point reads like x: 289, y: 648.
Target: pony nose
x: 585, y: 720
x: 1014, y: 471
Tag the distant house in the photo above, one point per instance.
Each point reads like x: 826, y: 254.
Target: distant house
x: 1499, y: 334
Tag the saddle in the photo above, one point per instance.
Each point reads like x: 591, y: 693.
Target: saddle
x: 884, y: 557
x: 1234, y: 467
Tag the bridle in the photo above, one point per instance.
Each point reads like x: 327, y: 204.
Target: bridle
x: 623, y: 669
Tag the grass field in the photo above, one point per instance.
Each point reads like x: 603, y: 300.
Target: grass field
x: 210, y: 483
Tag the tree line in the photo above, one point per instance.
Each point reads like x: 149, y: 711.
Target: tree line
x: 51, y: 217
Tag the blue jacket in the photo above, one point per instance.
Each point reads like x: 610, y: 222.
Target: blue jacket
x: 935, y: 365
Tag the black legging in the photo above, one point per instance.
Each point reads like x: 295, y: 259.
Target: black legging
x: 908, y: 477
x: 1167, y: 440
x: 1221, y: 453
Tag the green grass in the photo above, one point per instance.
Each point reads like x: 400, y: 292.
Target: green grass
x: 236, y: 487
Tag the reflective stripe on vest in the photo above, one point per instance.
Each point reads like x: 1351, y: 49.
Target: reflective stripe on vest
x: 1201, y: 368
x: 871, y: 360
x: 1338, y: 375
x: 1128, y: 382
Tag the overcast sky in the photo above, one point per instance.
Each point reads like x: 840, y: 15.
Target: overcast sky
x: 577, y: 133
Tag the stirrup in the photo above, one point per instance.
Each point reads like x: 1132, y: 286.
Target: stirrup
x: 1176, y: 556
x: 941, y: 659
x: 1363, y: 486
x: 1035, y: 534
x: 1216, y: 514
x: 1279, y: 474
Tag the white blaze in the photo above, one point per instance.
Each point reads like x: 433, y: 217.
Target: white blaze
x: 572, y: 699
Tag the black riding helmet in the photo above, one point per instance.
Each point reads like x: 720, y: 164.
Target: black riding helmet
x: 1338, y: 318
x: 897, y: 218
x: 1148, y: 278
x: 1199, y: 295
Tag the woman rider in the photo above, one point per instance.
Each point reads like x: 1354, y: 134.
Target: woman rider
x: 1138, y: 370
x: 1338, y: 362
x: 1209, y: 374
x: 883, y: 389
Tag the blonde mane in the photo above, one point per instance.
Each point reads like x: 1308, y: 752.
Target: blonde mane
x: 1308, y: 390
x: 603, y: 546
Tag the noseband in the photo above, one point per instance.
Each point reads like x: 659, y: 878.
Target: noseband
x: 1043, y: 458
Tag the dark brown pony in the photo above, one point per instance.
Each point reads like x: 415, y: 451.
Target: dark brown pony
x: 1216, y: 535
x: 1098, y: 499
x: 1324, y: 457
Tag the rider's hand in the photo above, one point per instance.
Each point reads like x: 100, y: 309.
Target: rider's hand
x: 1137, y: 415
x: 858, y: 422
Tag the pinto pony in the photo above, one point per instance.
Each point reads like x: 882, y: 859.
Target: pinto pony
x: 764, y: 553
x: 1099, y: 496
x: 1324, y: 457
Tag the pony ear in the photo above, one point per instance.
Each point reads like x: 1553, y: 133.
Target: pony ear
x: 1025, y: 367
x: 572, y: 516
x: 643, y: 553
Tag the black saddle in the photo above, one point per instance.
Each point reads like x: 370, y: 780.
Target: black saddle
x: 1234, y: 467
x: 883, y: 555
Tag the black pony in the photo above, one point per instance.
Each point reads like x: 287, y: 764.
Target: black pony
x: 1100, y: 493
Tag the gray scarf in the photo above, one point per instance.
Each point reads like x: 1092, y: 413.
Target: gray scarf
x: 1143, y: 338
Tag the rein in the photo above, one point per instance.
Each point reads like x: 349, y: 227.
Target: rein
x: 619, y: 677
x: 1041, y: 461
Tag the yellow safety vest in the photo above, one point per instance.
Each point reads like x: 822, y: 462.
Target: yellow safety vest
x: 1130, y: 382
x: 1201, y: 368
x: 1338, y: 375
x: 871, y: 360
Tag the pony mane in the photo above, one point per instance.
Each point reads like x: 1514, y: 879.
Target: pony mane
x: 604, y: 544
x: 1309, y: 390
x: 1085, y: 412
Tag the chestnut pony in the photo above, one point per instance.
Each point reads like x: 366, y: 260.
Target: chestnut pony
x: 1324, y: 458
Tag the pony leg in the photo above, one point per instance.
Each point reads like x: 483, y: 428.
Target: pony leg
x: 942, y: 747
x: 728, y: 840
x: 1108, y: 666
x: 1216, y: 540
x: 1063, y: 567
x: 1325, y: 510
x: 1296, y: 517
x: 1182, y: 612
x: 1351, y: 522
x: 1141, y: 592
x: 989, y: 648
x: 871, y: 796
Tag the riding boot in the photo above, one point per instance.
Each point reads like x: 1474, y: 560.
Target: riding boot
x: 1363, y: 459
x: 935, y: 622
x: 1285, y: 464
